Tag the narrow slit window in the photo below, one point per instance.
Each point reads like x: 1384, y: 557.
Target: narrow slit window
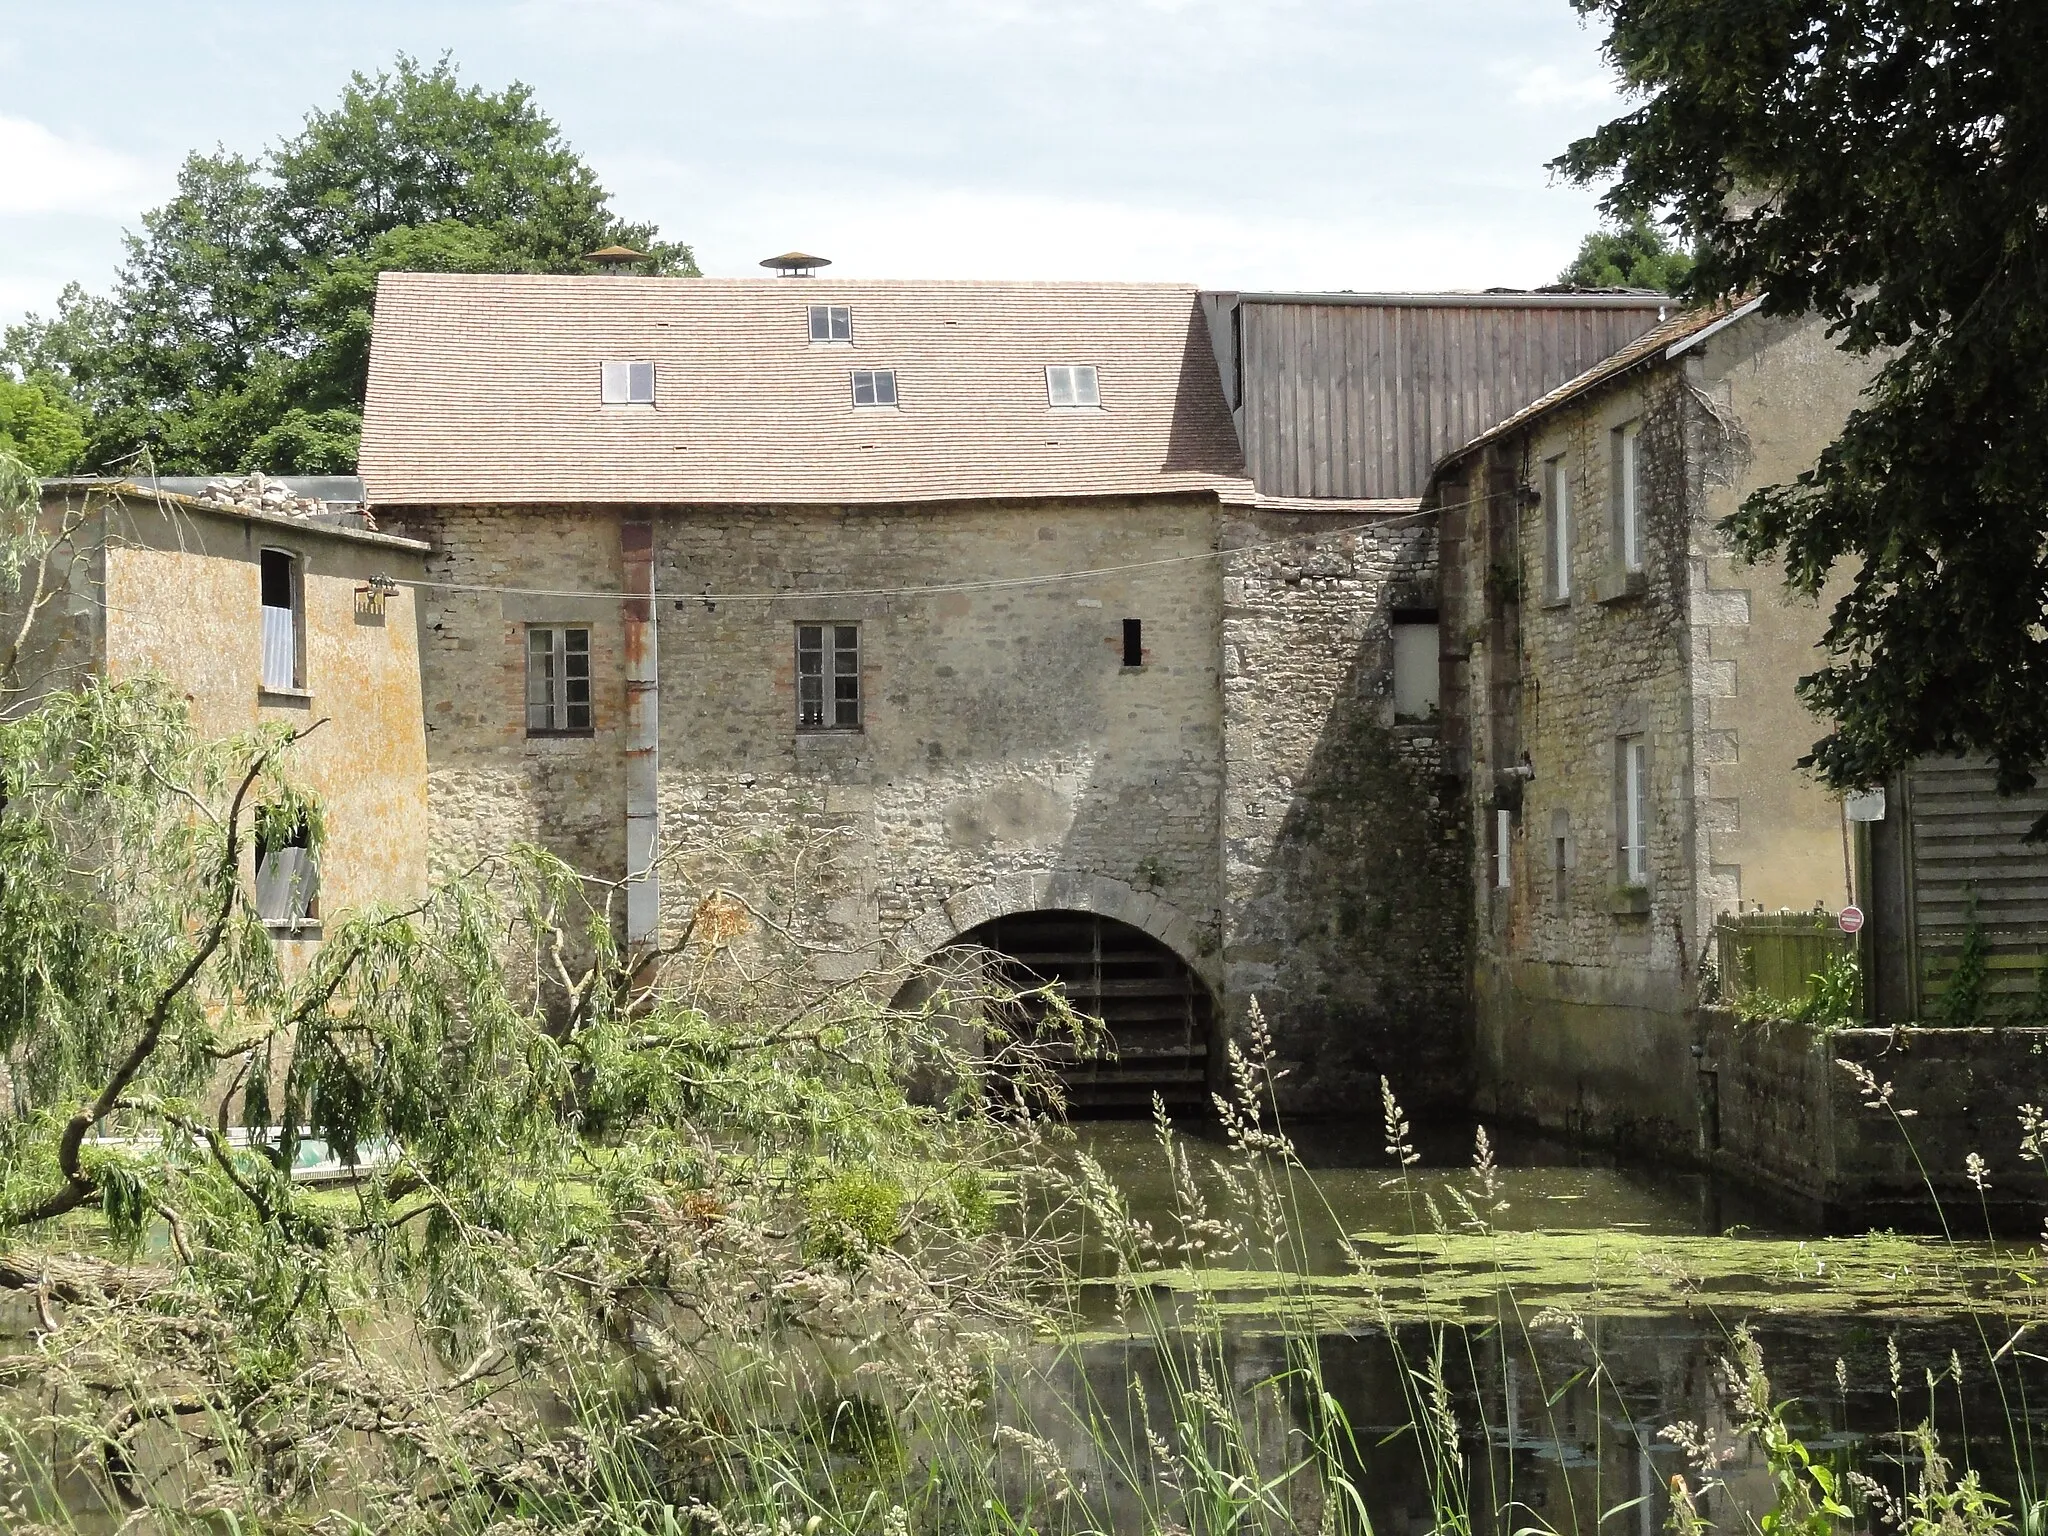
x: 283, y: 621
x: 1503, y: 834
x: 831, y: 322
x: 874, y: 386
x: 1632, y: 785
x: 1072, y: 386
x: 828, y: 677
x: 1560, y: 858
x: 1557, y: 531
x: 627, y: 383
x: 287, y: 877
x: 1628, y: 495
x: 1134, y: 642
x: 557, y: 680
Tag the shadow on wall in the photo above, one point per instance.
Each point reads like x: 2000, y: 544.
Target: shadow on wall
x: 1360, y: 914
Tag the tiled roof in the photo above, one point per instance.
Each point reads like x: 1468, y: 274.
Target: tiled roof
x: 486, y: 389
x: 1671, y: 334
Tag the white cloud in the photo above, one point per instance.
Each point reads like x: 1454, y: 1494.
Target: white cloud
x: 940, y: 233
x: 1545, y: 85
x: 49, y: 174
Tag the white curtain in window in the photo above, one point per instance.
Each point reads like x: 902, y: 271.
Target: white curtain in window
x: 280, y: 649
x: 287, y: 881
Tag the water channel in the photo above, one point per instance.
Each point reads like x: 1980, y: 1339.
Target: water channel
x: 1593, y: 1315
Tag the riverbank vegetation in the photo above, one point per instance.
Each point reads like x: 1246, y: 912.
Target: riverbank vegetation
x: 695, y: 1241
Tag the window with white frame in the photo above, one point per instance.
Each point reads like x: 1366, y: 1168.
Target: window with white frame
x: 1557, y: 531
x: 1071, y: 386
x: 1416, y: 667
x: 557, y: 680
x: 1632, y: 791
x: 1628, y: 495
x: 874, y: 386
x: 283, y: 604
x: 287, y: 876
x: 627, y: 383
x: 828, y: 677
x: 831, y: 322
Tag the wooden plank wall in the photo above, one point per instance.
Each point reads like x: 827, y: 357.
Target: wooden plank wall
x: 1965, y: 841
x: 1361, y: 399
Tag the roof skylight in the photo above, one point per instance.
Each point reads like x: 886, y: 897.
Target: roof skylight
x: 1072, y: 386
x: 874, y: 386
x: 831, y: 322
x: 627, y: 383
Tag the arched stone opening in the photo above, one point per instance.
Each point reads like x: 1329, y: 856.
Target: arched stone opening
x: 1159, y: 1014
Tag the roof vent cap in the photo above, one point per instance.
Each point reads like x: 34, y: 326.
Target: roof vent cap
x: 614, y: 258
x: 796, y: 264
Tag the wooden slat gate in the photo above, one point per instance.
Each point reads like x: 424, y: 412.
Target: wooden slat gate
x: 1969, y: 861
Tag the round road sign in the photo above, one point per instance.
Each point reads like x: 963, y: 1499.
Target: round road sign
x: 1851, y: 919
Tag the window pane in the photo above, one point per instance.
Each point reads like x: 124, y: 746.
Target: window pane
x: 1084, y: 387
x: 846, y: 637
x: 1631, y: 502
x: 821, y: 323
x: 810, y: 680
x: 885, y: 386
x: 1059, y: 386
x: 617, y: 385
x: 540, y: 679
x: 842, y: 323
x: 576, y: 679
x: 1639, y: 798
x: 642, y: 383
x: 863, y: 387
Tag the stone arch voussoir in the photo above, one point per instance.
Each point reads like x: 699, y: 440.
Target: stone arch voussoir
x: 1048, y: 890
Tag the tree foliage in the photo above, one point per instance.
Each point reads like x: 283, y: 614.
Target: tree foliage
x: 1885, y: 165
x: 237, y: 336
x: 566, y: 1158
x: 1634, y: 253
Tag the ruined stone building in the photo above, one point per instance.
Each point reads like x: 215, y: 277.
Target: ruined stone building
x: 1619, y: 700
x: 287, y: 608
x: 971, y: 580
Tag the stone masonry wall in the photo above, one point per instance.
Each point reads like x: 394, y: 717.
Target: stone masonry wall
x: 1586, y: 992
x: 1346, y: 910
x: 1007, y: 758
x: 1580, y: 979
x: 489, y: 783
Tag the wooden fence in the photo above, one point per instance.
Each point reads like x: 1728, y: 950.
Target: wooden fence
x: 1777, y: 953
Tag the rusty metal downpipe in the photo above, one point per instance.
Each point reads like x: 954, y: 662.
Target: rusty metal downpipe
x: 643, y: 735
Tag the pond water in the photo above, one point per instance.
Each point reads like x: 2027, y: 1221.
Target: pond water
x: 1594, y: 1312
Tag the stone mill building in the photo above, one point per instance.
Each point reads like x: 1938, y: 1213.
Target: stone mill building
x: 1093, y: 622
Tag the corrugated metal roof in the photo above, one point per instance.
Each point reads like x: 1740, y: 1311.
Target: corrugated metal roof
x: 486, y: 389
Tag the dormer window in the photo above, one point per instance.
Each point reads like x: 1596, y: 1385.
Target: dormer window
x: 1072, y: 387
x: 627, y: 383
x: 874, y: 386
x: 831, y: 322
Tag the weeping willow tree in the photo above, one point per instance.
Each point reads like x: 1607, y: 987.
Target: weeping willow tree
x: 562, y: 1169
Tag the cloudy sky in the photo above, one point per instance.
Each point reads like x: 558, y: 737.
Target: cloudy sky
x: 1365, y: 144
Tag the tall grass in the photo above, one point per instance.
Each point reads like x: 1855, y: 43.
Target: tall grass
x: 1086, y: 1390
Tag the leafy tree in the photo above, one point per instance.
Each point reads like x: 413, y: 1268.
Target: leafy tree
x: 40, y: 425
x: 579, y: 1171
x: 1884, y: 165
x: 238, y: 333
x: 1632, y: 254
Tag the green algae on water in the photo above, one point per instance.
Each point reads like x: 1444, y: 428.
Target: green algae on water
x: 1462, y: 1276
